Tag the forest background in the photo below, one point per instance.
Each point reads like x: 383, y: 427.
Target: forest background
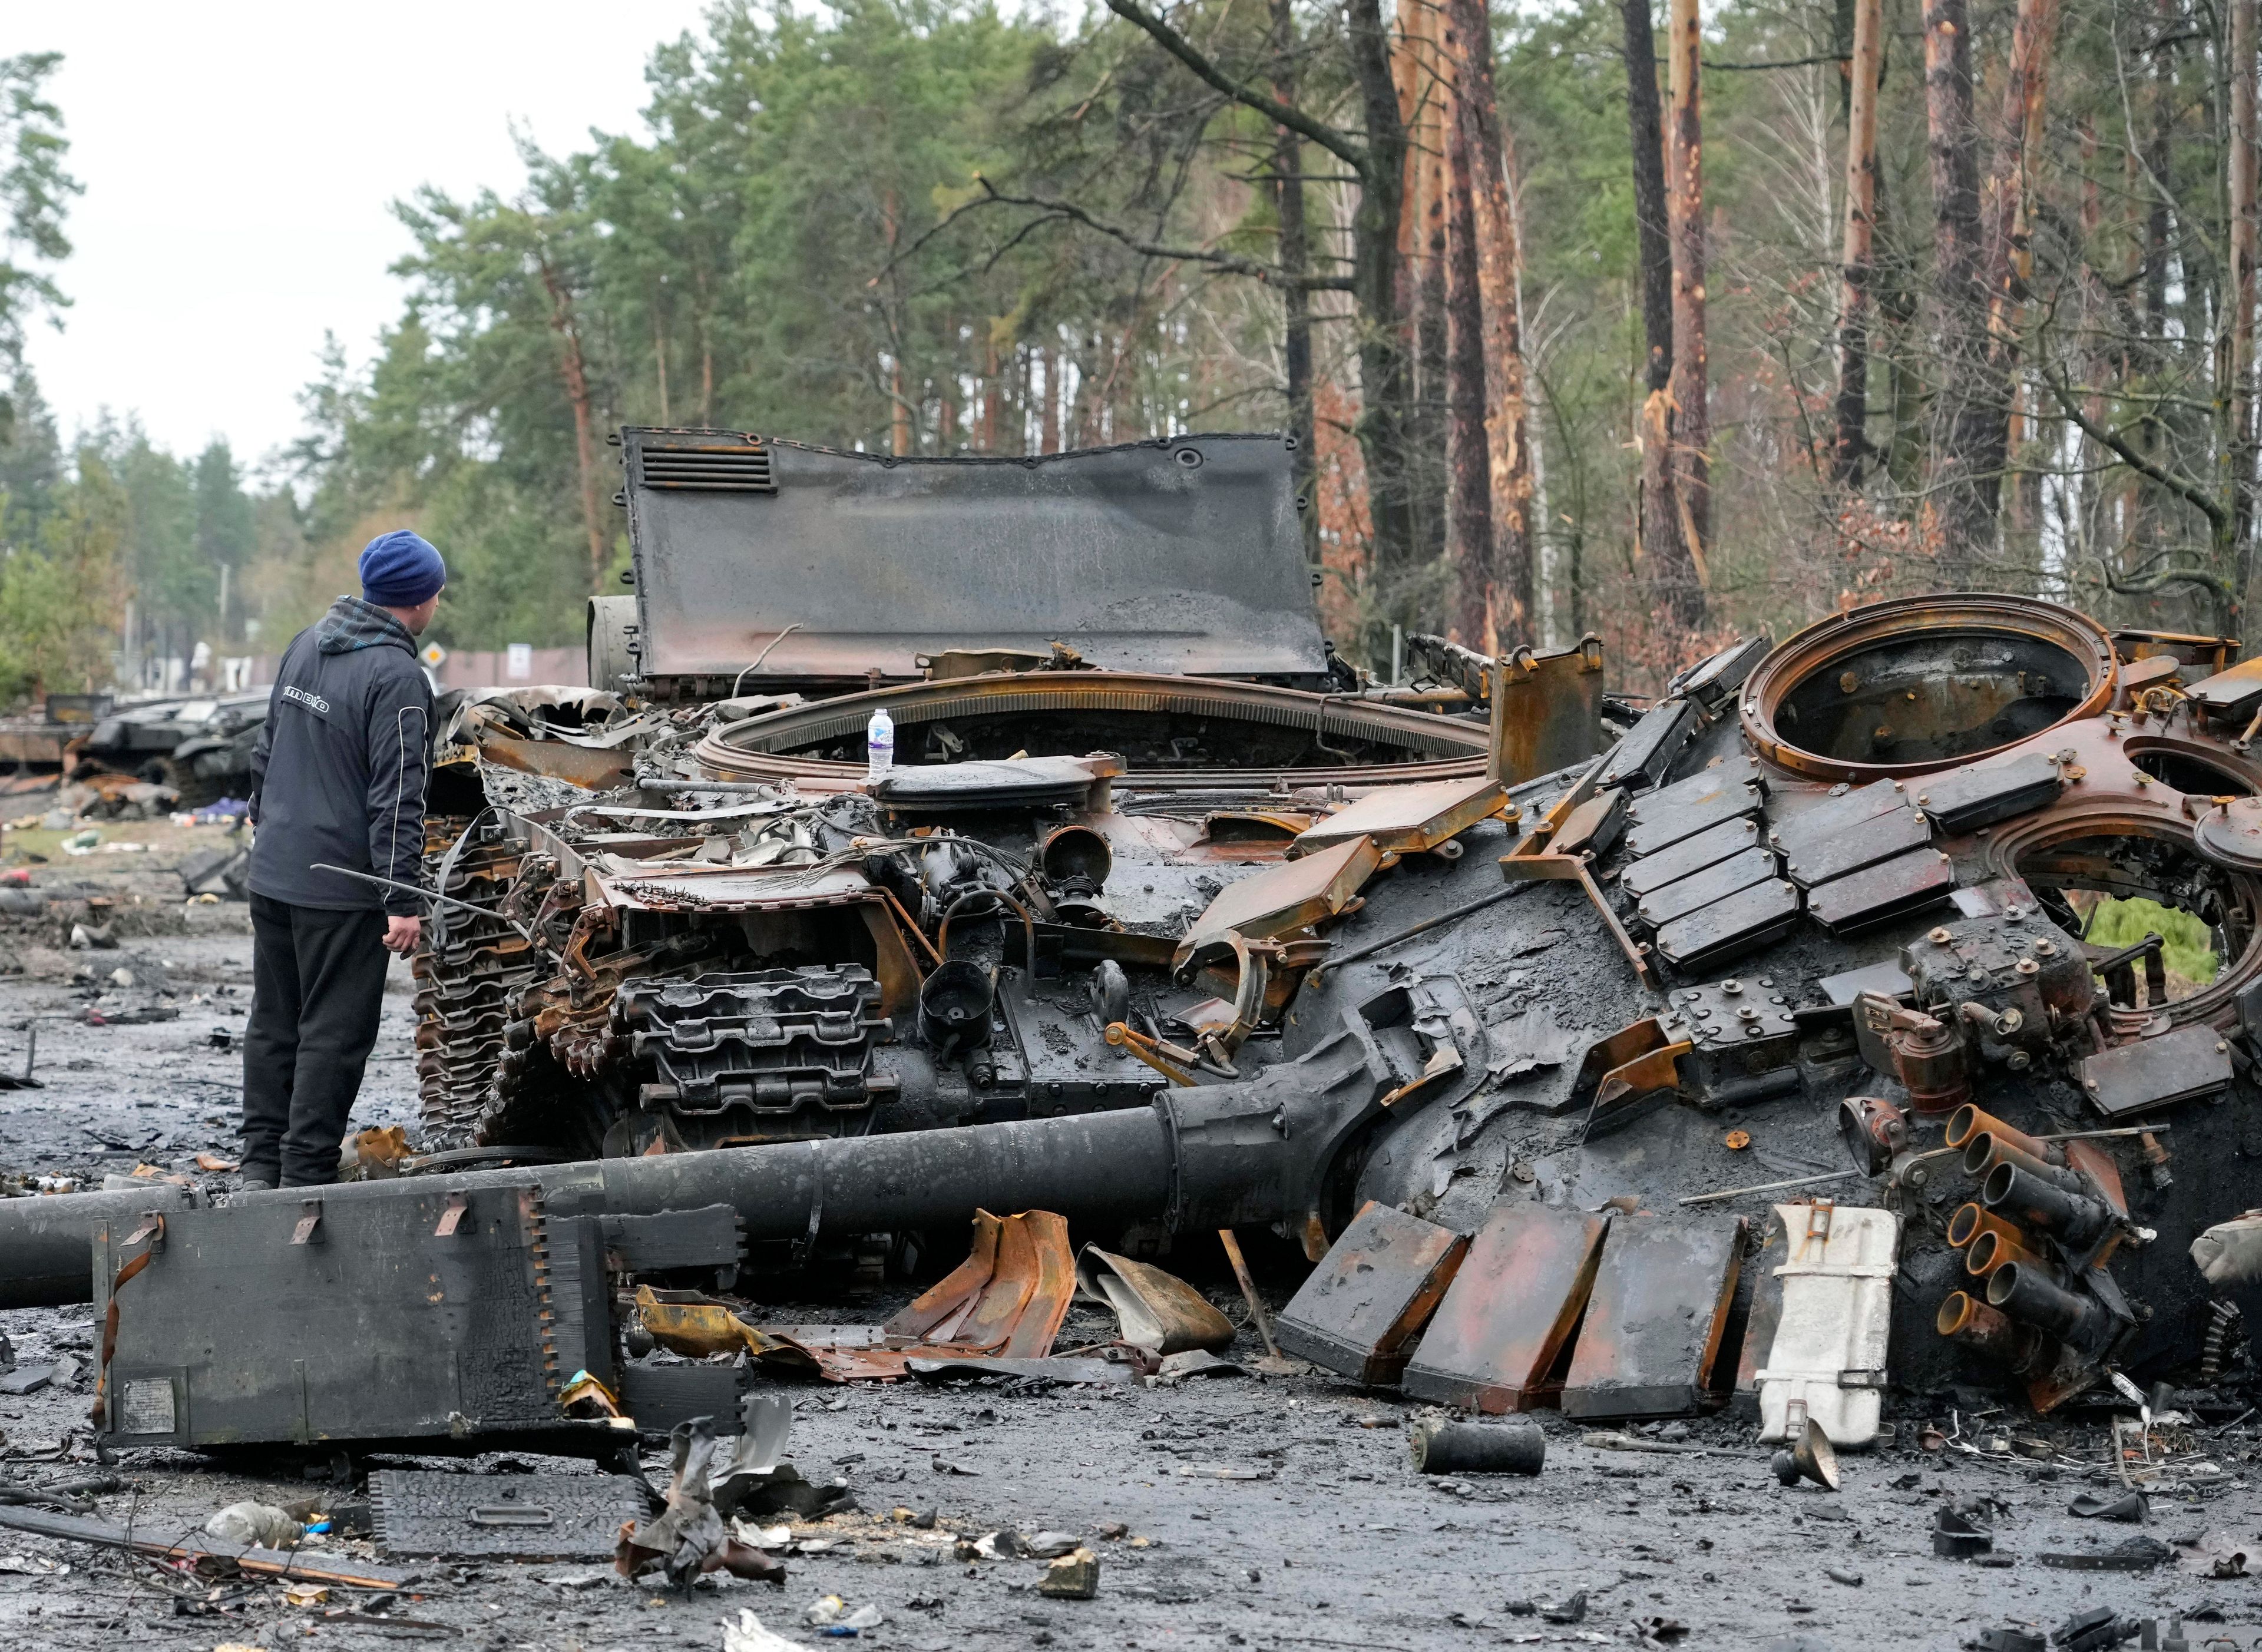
x: 1667, y: 326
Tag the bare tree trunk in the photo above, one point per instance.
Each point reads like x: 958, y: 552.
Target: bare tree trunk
x: 1510, y: 619
x: 1421, y: 252
x: 2009, y: 229
x: 659, y: 360
x: 1965, y: 414
x: 1692, y: 425
x: 1295, y: 261
x: 1382, y: 375
x: 1659, y: 525
x: 576, y: 378
x: 1468, y: 466
x: 992, y: 387
x: 1853, y: 443
x: 2245, y: 231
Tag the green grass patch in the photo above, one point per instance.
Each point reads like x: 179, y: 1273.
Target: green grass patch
x: 2190, y: 949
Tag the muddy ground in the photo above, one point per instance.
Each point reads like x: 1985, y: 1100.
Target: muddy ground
x: 1335, y: 1541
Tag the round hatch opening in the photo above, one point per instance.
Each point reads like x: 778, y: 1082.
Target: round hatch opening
x: 1924, y: 683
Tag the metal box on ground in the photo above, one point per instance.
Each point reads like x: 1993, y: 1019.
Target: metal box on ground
x: 1357, y: 1312
x: 1654, y: 1326
x: 1826, y: 1359
x: 1500, y: 1332
x: 503, y: 1517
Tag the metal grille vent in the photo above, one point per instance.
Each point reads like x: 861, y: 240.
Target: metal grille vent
x: 716, y: 468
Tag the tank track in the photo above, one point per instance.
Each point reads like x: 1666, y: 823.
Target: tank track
x: 465, y: 990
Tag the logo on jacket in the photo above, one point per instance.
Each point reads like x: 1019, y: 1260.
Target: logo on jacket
x: 314, y: 703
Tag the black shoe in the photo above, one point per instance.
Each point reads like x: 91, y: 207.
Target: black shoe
x: 258, y: 1182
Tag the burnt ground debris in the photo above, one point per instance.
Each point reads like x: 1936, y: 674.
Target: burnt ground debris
x: 1342, y: 1542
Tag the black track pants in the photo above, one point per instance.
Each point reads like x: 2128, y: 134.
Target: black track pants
x: 318, y: 983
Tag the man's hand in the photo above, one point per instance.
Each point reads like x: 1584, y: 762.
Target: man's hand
x: 402, y: 934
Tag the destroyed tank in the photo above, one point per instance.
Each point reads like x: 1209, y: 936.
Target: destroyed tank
x: 1803, y: 941
x: 1110, y: 696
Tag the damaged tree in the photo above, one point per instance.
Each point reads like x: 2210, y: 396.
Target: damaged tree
x: 1970, y: 420
x: 1857, y: 305
x: 1497, y: 607
x: 1683, y: 586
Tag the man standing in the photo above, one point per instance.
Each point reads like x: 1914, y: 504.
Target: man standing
x: 338, y: 779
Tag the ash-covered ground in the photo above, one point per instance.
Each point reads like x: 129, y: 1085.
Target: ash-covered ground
x: 1252, y: 1511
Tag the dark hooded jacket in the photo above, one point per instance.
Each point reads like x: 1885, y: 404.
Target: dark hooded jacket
x: 339, y: 774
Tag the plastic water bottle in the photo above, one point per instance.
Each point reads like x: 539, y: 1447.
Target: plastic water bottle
x: 880, y: 745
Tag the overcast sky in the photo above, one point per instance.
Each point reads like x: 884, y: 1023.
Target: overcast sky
x: 240, y: 158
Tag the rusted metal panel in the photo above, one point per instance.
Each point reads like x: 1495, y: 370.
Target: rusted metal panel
x: 1293, y: 895
x: 1358, y: 1313
x: 1891, y: 889
x: 588, y: 767
x: 1594, y: 828
x: 1690, y: 855
x: 2236, y: 693
x: 1728, y: 789
x: 1964, y: 799
x: 1880, y: 837
x: 853, y: 563
x: 2171, y: 1067
x: 1727, y: 929
x: 1654, y: 1322
x: 1498, y: 1337
x: 1547, y: 711
x: 1646, y: 750
x: 1407, y: 819
x: 1701, y: 889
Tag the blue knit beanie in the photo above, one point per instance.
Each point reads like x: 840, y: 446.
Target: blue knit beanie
x: 400, y: 569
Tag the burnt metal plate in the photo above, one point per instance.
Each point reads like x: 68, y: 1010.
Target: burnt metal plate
x: 1964, y: 799
x: 705, y: 1236
x: 1715, y: 883
x: 1907, y: 883
x: 938, y: 788
x: 659, y: 1396
x: 1819, y: 860
x: 1749, y: 918
x: 1407, y: 819
x: 2236, y: 693
x: 1653, y: 822
x: 1646, y: 750
x: 1795, y: 829
x: 1709, y: 681
x: 1114, y: 551
x: 1290, y: 894
x: 1500, y: 1334
x: 414, y: 1513
x: 378, y: 1327
x: 1691, y: 790
x: 2174, y: 1066
x: 1689, y: 856
x: 1357, y: 1312
x: 1886, y: 976
x: 1547, y: 711
x: 1654, y: 1322
x: 1594, y: 828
